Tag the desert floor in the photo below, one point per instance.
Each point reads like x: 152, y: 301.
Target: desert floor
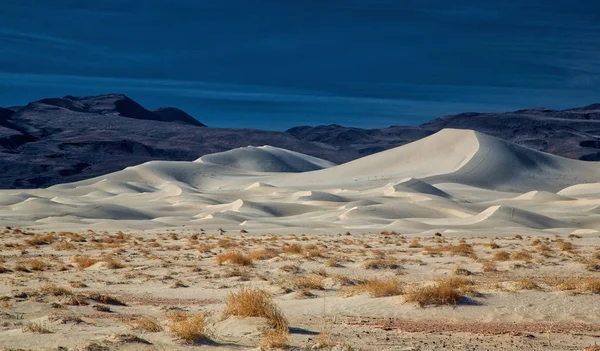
x: 381, y: 291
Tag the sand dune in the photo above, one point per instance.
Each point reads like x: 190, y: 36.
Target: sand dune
x: 266, y: 159
x: 453, y: 179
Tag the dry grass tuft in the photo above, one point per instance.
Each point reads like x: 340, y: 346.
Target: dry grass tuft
x: 521, y: 256
x: 234, y: 257
x: 294, y: 249
x: 589, y: 285
x: 378, y: 287
x: 41, y: 240
x: 77, y: 284
x: 55, y: 290
x: 113, y: 263
x: 146, y: 324
x: 64, y: 246
x: 37, y: 327
x: 254, y: 302
x: 190, y: 328
x: 501, y: 256
x: 439, y: 293
x: 526, y: 284
x: 107, y: 299
x: 263, y: 254
x: 37, y: 265
x: 381, y: 263
x: 84, y: 262
x: 313, y: 282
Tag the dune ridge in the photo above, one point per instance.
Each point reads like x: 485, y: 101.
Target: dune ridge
x: 452, y: 179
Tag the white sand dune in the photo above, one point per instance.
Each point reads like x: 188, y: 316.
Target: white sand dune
x: 266, y: 159
x: 454, y: 179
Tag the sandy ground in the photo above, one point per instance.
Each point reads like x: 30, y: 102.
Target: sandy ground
x: 537, y: 292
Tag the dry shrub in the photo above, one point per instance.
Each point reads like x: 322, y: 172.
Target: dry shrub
x: 489, y: 266
x: 462, y: 249
x: 332, y: 262
x: 84, y: 262
x: 190, y: 328
x: 37, y: 327
x: 526, y: 284
x: 263, y: 254
x: 596, y: 255
x: 313, y: 253
x: 37, y: 265
x: 234, y: 257
x: 439, y: 293
x: 378, y: 287
x: 41, y: 240
x: 77, y: 284
x: 146, y: 324
x: 521, y: 256
x: 226, y: 243
x: 501, y: 256
x: 113, y: 263
x: 55, y: 290
x: 77, y: 300
x: 292, y: 249
x: 415, y: 243
x: 461, y: 271
x: 567, y: 246
x: 64, y: 246
x: 204, y: 248
x: 590, y: 285
x: 275, y: 338
x: 309, y: 282
x: 107, y: 299
x: 254, y: 302
x: 381, y: 263
x: 492, y: 245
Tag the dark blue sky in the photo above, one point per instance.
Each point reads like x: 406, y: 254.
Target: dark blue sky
x: 277, y: 64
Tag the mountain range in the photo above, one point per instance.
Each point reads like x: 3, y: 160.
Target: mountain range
x: 58, y: 140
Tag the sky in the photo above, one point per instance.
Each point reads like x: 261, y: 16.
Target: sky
x: 278, y: 64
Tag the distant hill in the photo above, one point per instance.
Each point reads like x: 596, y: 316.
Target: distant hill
x: 66, y: 139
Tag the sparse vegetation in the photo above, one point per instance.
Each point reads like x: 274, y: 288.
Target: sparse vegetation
x: 234, y: 257
x: 191, y: 328
x: 438, y: 293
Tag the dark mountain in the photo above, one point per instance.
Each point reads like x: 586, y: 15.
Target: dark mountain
x: 67, y: 139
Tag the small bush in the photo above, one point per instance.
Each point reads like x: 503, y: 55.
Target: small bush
x: 41, y: 240
x: 379, y: 287
x: 146, y: 324
x: 526, y: 284
x: 292, y: 249
x: 38, y: 265
x: 254, y: 302
x: 190, y: 328
x: 107, y: 299
x: 381, y: 263
x: 84, y: 262
x: 235, y: 257
x: 55, y: 290
x: 263, y: 254
x: 501, y: 256
x: 440, y: 293
x: 37, y: 327
x: 521, y: 256
x: 309, y: 282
